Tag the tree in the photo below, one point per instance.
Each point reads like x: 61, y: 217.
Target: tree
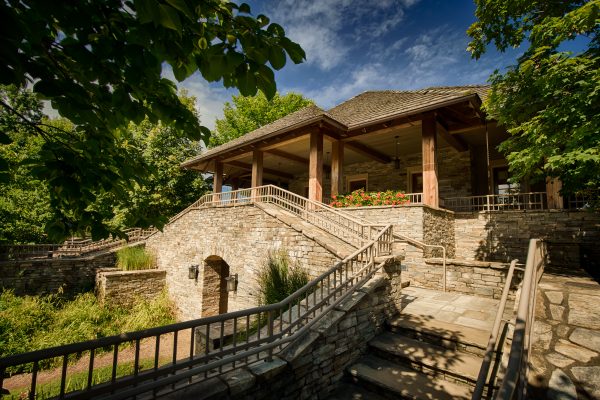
x: 250, y: 113
x: 158, y: 149
x: 24, y: 203
x: 550, y: 100
x: 99, y: 63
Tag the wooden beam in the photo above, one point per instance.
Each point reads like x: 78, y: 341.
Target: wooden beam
x: 384, y: 130
x: 453, y: 141
x: 315, y: 168
x: 288, y: 156
x: 269, y: 171
x: 218, y: 178
x: 369, y: 152
x: 257, y: 168
x: 553, y: 186
x: 337, y: 167
x: 429, y: 148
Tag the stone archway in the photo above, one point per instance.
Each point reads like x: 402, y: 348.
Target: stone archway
x: 214, y: 286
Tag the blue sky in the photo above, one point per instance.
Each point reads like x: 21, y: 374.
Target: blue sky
x: 354, y: 46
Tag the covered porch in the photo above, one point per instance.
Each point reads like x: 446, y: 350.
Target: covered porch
x: 433, y: 144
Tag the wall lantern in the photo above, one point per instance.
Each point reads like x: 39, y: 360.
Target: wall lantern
x: 193, y: 271
x: 397, y: 159
x: 232, y: 281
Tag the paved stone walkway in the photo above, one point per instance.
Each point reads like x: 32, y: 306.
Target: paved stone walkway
x: 565, y: 360
x: 455, y: 308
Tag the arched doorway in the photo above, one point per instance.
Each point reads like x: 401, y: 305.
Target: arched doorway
x: 214, y: 287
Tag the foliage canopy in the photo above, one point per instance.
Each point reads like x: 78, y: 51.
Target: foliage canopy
x: 99, y: 63
x: 550, y: 100
x: 249, y: 113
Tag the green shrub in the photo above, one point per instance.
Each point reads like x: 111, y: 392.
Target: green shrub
x: 36, y: 322
x: 134, y: 258
x: 279, y: 278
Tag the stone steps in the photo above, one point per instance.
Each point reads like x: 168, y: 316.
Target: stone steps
x: 393, y: 380
x: 454, y: 365
x: 338, y: 246
x: 435, y: 331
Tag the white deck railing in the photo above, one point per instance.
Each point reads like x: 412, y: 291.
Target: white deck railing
x: 334, y: 221
x: 497, y: 202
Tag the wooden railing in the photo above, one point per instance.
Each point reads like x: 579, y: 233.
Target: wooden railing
x: 325, y: 217
x: 243, y: 337
x: 71, y: 248
x: 514, y: 382
x: 501, y: 202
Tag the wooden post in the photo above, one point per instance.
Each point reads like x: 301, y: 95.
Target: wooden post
x: 315, y: 167
x: 555, y: 200
x: 337, y: 167
x: 429, y: 147
x: 218, y: 177
x: 257, y: 170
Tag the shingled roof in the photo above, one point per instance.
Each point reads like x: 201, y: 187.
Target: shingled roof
x: 360, y: 110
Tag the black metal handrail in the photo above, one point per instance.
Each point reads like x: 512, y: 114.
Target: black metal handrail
x: 276, y: 325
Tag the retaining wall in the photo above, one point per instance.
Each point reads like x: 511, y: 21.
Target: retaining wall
x: 124, y: 288
x: 312, y: 366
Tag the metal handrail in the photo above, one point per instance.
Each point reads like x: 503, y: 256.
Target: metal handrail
x: 277, y: 324
x: 517, y: 368
x: 492, y: 342
x: 348, y: 228
x: 71, y: 249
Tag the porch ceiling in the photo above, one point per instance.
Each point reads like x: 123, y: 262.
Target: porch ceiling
x: 291, y: 158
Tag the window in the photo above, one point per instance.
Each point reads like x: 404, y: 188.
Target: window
x: 355, y: 182
x: 414, y: 177
x: 500, y: 179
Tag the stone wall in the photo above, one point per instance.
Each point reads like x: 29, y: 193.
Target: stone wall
x: 572, y: 236
x: 51, y: 275
x: 240, y: 236
x: 454, y: 174
x: 312, y: 366
x: 438, y: 229
x: 124, y: 288
x: 479, y: 278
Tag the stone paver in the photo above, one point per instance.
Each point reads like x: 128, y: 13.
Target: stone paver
x: 460, y: 309
x: 565, y: 360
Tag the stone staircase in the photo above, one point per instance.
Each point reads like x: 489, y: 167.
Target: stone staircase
x: 432, y: 350
x: 337, y: 246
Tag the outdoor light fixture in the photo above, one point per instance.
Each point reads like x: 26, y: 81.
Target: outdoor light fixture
x: 397, y: 159
x: 232, y: 281
x: 193, y: 271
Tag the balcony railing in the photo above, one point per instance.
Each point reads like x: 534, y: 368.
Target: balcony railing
x: 498, y: 202
x: 71, y: 248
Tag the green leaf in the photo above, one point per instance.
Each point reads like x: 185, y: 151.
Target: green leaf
x: 266, y: 81
x: 244, y: 8
x: 5, y: 139
x: 183, y: 7
x: 146, y: 10
x: 247, y: 83
x: 277, y: 57
x: 294, y: 50
x: 169, y: 18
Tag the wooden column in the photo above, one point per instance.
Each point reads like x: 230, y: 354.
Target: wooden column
x: 430, y: 175
x: 337, y: 167
x: 218, y: 178
x: 555, y: 200
x: 257, y: 170
x: 315, y: 167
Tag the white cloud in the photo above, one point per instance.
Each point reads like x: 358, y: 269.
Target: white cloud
x: 329, y: 30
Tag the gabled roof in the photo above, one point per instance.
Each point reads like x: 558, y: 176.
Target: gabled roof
x: 365, y: 108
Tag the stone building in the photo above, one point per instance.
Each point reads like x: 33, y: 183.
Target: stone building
x: 433, y: 144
